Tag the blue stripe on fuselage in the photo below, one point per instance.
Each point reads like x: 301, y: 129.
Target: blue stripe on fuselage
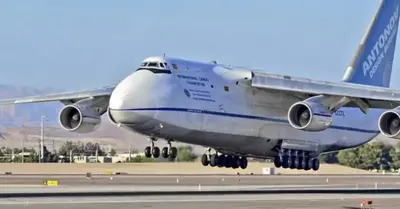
x: 239, y: 116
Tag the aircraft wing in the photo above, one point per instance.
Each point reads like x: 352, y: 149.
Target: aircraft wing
x: 372, y: 96
x: 65, y: 97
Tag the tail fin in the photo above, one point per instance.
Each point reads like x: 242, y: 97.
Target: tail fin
x: 373, y: 62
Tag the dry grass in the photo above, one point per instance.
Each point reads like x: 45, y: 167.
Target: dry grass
x: 160, y: 168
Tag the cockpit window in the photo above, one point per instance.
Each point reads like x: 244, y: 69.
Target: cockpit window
x: 153, y: 64
x: 155, y: 67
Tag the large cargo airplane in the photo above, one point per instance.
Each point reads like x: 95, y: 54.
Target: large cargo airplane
x: 238, y: 113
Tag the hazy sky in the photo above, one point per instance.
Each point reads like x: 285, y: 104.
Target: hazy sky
x: 86, y: 44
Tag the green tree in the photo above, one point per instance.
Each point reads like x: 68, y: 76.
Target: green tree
x: 185, y: 154
x: 113, y: 152
x: 330, y: 158
x: 349, y: 158
x: 79, y: 148
x: 375, y: 155
x: 395, y: 157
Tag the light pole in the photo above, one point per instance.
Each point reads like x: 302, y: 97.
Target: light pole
x: 23, y: 143
x: 43, y: 118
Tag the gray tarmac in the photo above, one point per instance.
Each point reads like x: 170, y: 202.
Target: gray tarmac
x: 200, y: 202
x: 138, y: 183
x: 348, y: 181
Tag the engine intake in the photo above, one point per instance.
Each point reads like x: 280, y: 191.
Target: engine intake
x: 79, y: 119
x: 389, y: 123
x: 309, y: 116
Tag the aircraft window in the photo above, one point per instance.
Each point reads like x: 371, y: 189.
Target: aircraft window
x: 155, y: 70
x: 152, y: 64
x: 144, y: 64
x: 226, y: 88
x: 154, y: 67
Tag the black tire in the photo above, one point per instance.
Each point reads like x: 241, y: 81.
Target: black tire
x: 156, y: 152
x: 164, y: 152
x: 213, y: 160
x: 243, y: 163
x: 147, y: 152
x: 221, y: 161
x: 228, y: 161
x: 301, y: 164
x: 173, y: 152
x: 308, y: 164
x: 235, y: 162
x: 315, y: 164
x: 286, y: 161
x: 204, y: 160
x: 278, y: 161
x: 295, y: 162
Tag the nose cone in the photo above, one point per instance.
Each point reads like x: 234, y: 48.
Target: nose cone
x: 131, y: 101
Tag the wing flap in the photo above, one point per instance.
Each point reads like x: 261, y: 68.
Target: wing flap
x: 376, y: 97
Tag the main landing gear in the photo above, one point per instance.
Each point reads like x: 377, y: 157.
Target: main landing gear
x: 222, y: 160
x: 166, y: 152
x: 296, y: 160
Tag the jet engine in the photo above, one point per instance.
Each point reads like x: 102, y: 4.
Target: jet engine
x: 78, y: 118
x: 309, y: 116
x: 389, y: 123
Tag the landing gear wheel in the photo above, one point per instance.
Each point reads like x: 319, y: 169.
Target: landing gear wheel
x: 295, y: 162
x: 235, y: 162
x: 164, y: 152
x: 156, y: 152
x: 213, y: 160
x: 147, y: 152
x: 173, y: 152
x: 204, y: 160
x: 228, y: 161
x: 278, y: 161
x: 315, y: 164
x: 286, y: 162
x: 243, y: 163
x: 221, y: 161
x: 309, y: 164
x: 301, y: 163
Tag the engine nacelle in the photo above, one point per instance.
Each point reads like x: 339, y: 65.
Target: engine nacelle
x: 81, y: 119
x: 389, y: 123
x: 309, y: 116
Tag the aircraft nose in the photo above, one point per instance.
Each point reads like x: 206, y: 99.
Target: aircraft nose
x: 130, y: 102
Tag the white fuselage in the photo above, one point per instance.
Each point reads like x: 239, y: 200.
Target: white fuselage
x: 204, y: 104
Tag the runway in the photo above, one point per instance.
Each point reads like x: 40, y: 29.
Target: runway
x: 334, y: 181
x: 221, y: 191
x: 200, y: 202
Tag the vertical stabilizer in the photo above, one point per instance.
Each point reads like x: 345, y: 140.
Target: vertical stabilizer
x: 373, y: 61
